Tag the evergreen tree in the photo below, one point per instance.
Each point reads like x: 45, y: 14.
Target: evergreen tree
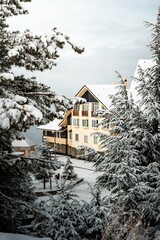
x: 59, y: 218
x: 148, y: 82
x: 131, y: 163
x: 68, y: 172
x: 16, y: 193
x: 43, y: 162
x: 129, y: 173
x: 23, y: 102
x: 95, y: 217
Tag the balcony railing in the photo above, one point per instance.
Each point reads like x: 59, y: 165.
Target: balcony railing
x: 75, y: 113
x: 84, y: 113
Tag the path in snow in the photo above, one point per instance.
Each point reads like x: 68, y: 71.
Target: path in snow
x: 86, y: 171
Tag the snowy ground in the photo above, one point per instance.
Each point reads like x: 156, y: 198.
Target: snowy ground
x: 84, y: 170
x: 9, y: 236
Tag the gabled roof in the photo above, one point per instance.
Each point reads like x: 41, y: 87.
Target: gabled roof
x: 23, y: 143
x: 101, y: 92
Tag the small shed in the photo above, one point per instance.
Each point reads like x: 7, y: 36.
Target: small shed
x: 25, y: 146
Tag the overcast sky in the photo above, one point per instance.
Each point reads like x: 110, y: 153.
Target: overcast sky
x: 112, y: 32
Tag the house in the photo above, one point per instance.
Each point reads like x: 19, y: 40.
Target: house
x: 24, y: 146
x: 79, y: 123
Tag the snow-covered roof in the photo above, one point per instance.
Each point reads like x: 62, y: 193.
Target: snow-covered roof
x: 22, y: 143
x: 102, y: 92
x: 17, y: 154
x: 51, y: 126
x: 143, y: 64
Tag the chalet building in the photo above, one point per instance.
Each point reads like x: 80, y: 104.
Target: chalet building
x: 24, y: 146
x: 79, y: 124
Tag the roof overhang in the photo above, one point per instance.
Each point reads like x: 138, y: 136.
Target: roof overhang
x: 84, y: 89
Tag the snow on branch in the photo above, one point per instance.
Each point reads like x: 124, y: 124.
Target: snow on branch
x: 6, y: 77
x: 60, y: 38
x: 10, y: 8
x: 37, y: 52
x: 58, y: 98
x: 12, y: 111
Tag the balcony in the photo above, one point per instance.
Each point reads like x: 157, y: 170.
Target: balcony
x: 84, y: 113
x: 75, y: 113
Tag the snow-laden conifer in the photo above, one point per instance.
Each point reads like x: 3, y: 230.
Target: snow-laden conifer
x: 127, y: 167
x: 95, y: 216
x: 16, y: 193
x: 23, y: 102
x: 44, y: 162
x: 68, y: 172
x: 60, y: 217
x: 131, y: 162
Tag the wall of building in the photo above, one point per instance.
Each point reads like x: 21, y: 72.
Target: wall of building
x: 79, y: 130
x: 25, y: 150
x: 85, y: 133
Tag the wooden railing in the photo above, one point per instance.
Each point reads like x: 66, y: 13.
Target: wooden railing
x: 84, y: 113
x: 75, y: 113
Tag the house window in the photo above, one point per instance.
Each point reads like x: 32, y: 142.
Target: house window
x: 84, y: 122
x: 76, y: 122
x: 76, y: 110
x: 85, y: 139
x: 95, y: 123
x: 76, y: 107
x: 95, y: 139
x: 85, y: 108
x: 95, y: 107
x: 70, y: 135
x: 76, y: 137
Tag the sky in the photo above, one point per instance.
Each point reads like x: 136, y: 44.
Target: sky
x: 111, y: 31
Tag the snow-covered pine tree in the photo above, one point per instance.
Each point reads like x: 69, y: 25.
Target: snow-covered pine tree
x: 20, y: 105
x: 131, y: 163
x: 23, y: 102
x: 59, y: 218
x: 95, y: 216
x: 127, y: 163
x: 16, y: 194
x: 148, y: 87
x: 148, y: 82
x: 68, y: 173
x: 43, y: 162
